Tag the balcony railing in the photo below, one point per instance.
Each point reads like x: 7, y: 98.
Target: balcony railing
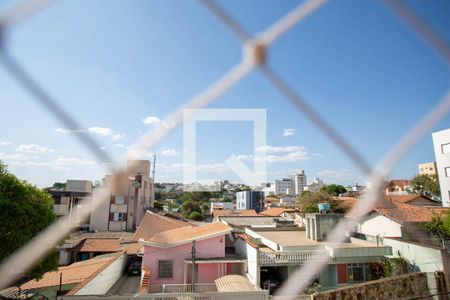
x: 285, y: 258
x: 182, y: 288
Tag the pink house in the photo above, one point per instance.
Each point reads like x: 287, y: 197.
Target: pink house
x: 168, y: 253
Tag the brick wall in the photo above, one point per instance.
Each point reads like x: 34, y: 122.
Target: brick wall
x: 398, y: 287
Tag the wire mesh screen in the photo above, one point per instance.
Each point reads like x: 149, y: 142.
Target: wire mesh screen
x: 255, y: 55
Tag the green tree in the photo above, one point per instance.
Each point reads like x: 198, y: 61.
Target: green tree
x: 158, y: 205
x: 439, y: 226
x: 334, y: 189
x: 59, y: 185
x: 427, y: 185
x: 25, y: 210
x: 195, y: 215
x: 309, y: 202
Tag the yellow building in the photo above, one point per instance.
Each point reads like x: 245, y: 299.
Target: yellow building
x: 427, y: 168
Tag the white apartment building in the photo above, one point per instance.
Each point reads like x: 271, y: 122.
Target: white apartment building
x: 316, y: 185
x: 441, y: 141
x: 268, y: 189
x: 284, y: 186
x: 300, y: 183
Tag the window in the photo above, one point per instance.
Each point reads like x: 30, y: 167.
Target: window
x: 359, y: 272
x: 447, y: 172
x: 445, y: 148
x: 120, y: 200
x: 165, y: 269
x: 118, y: 216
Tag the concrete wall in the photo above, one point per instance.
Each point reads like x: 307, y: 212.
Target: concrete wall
x: 420, y: 258
x: 253, y: 265
x: 378, y: 224
x: 105, y: 279
x: 100, y: 216
x: 409, y: 286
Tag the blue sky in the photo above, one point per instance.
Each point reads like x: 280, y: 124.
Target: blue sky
x: 114, y: 63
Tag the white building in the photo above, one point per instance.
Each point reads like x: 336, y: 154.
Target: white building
x: 300, y: 183
x: 316, y: 185
x: 284, y: 186
x: 268, y: 189
x: 441, y: 141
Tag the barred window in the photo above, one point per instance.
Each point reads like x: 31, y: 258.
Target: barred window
x: 165, y: 269
x: 359, y: 272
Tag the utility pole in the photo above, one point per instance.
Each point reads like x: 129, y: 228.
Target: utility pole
x: 193, y: 266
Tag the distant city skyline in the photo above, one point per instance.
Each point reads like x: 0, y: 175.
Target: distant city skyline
x: 361, y: 68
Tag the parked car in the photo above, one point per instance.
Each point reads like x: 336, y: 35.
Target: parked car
x: 134, y: 267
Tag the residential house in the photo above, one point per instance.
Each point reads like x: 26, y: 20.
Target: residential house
x: 169, y: 256
x: 85, y: 245
x: 275, y: 254
x: 398, y: 216
x: 130, y: 196
x: 89, y: 277
x: 398, y: 187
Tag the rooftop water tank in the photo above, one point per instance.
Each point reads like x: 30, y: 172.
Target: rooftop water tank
x: 324, y: 207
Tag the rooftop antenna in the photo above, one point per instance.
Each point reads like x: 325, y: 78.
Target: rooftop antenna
x: 154, y: 165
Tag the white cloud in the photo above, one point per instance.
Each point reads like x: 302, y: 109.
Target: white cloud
x: 120, y: 145
x: 33, y: 148
x: 103, y: 131
x: 106, y: 132
x: 3, y: 143
x: 288, y: 132
x: 71, y: 161
x: 289, y: 157
x: 170, y: 152
x: 13, y: 156
x: 272, y: 149
x: 63, y: 130
x: 151, y: 120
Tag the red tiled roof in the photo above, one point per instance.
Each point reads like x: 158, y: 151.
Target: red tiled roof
x: 401, y: 183
x: 72, y: 274
x: 153, y: 223
x: 133, y: 248
x: 99, y: 245
x: 182, y: 234
x: 276, y: 211
x: 405, y: 213
x: 247, y: 239
x: 235, y: 213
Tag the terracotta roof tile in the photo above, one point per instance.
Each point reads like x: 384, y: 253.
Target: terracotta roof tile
x: 402, y: 183
x: 72, y: 274
x: 405, y: 213
x: 180, y: 235
x: 235, y: 213
x: 276, y: 211
x: 99, y: 245
x: 133, y: 248
x: 153, y: 223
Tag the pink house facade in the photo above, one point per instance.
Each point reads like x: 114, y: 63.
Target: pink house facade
x: 167, y: 256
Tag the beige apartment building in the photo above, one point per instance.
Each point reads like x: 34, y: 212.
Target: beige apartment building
x: 130, y: 196
x: 427, y: 168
